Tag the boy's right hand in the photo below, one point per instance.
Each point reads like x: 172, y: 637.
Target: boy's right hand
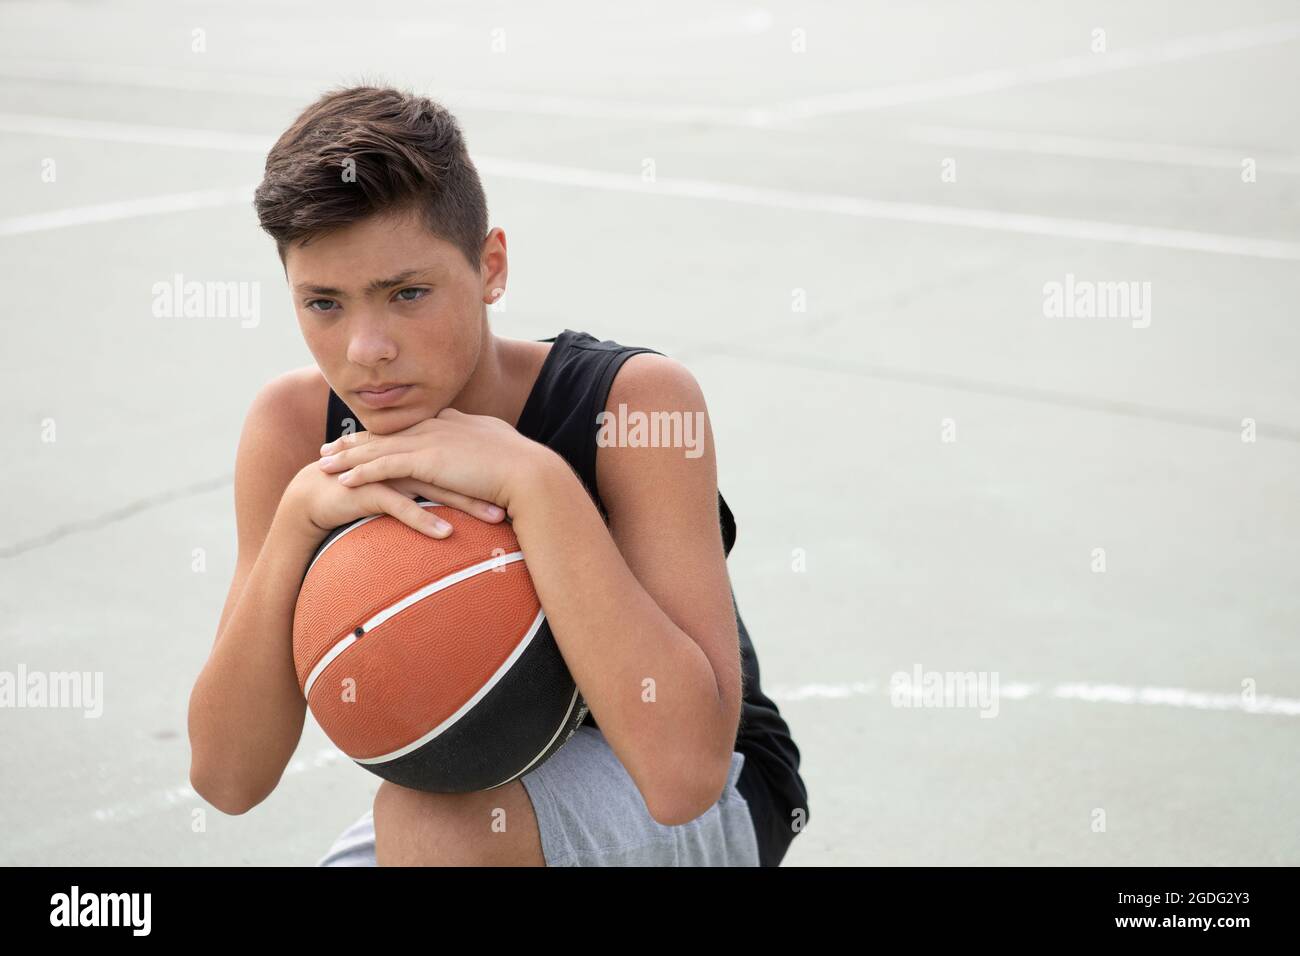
x: 317, y: 503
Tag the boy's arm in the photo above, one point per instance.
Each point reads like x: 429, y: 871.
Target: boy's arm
x: 642, y: 611
x: 246, y: 712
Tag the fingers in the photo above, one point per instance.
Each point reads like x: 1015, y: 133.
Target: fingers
x: 483, y: 510
x: 345, y: 441
x: 388, y: 500
x: 357, y: 439
x: 367, y: 449
x: 400, y: 465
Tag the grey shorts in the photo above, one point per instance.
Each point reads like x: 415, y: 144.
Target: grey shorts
x: 590, y: 813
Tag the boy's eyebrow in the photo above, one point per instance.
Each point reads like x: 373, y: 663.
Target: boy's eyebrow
x: 376, y: 285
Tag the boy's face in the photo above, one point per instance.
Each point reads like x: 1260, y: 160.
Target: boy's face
x: 384, y: 302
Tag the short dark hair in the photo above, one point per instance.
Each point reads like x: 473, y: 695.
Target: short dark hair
x: 407, y: 151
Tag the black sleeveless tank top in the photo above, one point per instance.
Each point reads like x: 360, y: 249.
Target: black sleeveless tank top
x: 560, y: 412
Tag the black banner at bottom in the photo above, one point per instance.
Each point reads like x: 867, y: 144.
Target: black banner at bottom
x: 1222, y: 905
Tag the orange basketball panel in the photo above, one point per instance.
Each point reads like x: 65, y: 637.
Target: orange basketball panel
x: 377, y: 564
x: 420, y: 666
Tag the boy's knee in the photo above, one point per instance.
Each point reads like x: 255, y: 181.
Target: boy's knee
x: 488, y: 828
x: 412, y: 828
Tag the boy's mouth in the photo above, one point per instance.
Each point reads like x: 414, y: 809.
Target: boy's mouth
x: 383, y: 396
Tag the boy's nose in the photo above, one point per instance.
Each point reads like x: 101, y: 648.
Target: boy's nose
x: 370, y: 347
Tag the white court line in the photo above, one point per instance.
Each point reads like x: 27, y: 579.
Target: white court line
x: 1049, y: 144
x: 1076, y: 691
x: 888, y: 210
x: 1010, y: 690
x: 541, y: 104
x: 308, y: 89
x: 1046, y: 144
x: 34, y: 125
x: 184, y: 793
x: 1087, y: 64
x: 163, y: 77
x: 752, y: 21
x: 124, y: 209
x: 709, y: 190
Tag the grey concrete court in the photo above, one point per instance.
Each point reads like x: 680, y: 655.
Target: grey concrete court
x: 855, y: 220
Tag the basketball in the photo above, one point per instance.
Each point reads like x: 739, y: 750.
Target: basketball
x: 429, y: 661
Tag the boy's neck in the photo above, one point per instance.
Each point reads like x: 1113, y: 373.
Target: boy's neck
x: 500, y: 386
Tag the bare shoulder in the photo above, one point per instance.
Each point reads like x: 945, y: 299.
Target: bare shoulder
x: 673, y: 451
x: 282, y: 433
x: 649, y: 378
x: 289, y: 411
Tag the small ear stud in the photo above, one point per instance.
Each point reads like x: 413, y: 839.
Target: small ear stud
x: 496, y: 294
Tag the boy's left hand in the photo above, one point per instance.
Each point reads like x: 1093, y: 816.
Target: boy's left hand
x: 478, y: 456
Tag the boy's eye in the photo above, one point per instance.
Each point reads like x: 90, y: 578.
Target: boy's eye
x: 420, y: 293
x: 312, y: 302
